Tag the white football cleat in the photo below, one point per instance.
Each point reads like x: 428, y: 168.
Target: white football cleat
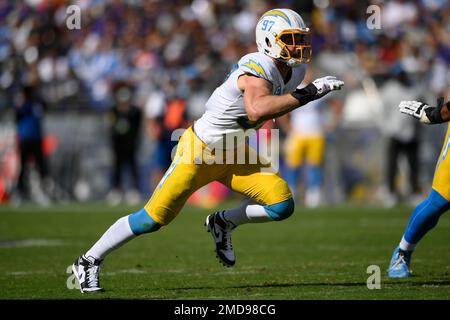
x: 221, y: 232
x: 86, y: 270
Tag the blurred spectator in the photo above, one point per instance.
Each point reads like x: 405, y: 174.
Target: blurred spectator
x: 125, y: 122
x: 402, y: 133
x: 29, y: 118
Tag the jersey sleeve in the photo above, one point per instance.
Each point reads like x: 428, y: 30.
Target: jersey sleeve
x: 253, y: 64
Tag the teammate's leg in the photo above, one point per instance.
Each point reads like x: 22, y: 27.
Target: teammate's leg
x: 292, y: 176
x: 425, y: 217
x: 314, y: 157
x: 294, y: 152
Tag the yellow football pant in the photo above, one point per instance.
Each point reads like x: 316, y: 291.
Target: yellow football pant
x: 190, y: 171
x: 441, y: 180
x: 300, y: 147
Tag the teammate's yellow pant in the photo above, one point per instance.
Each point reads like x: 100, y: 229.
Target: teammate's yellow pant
x: 441, y: 180
x: 190, y: 171
x: 300, y: 147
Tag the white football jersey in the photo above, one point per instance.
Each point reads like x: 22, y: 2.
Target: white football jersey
x: 308, y: 119
x: 225, y: 112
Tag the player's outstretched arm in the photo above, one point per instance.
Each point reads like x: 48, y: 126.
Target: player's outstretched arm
x: 317, y: 89
x: 425, y: 113
x: 261, y: 104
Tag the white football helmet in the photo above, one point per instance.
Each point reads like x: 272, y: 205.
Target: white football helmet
x: 282, y: 34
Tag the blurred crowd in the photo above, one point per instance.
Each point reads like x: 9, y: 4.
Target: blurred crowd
x: 154, y: 63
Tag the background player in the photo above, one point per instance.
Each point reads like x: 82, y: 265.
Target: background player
x: 426, y: 215
x: 305, y: 144
x: 262, y: 86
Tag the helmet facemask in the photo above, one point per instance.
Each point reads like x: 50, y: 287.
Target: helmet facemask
x: 295, y: 46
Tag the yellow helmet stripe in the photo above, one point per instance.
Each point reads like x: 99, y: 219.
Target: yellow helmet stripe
x: 277, y: 13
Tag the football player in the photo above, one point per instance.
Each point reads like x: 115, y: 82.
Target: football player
x: 304, y: 148
x: 262, y: 86
x: 426, y: 215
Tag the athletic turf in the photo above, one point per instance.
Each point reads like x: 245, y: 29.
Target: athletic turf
x: 315, y: 254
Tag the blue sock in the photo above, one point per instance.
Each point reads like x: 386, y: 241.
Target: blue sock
x: 292, y: 176
x: 314, y: 177
x: 280, y: 211
x: 425, y: 217
x: 141, y: 222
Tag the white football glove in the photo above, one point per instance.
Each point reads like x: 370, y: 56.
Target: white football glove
x: 327, y: 84
x: 422, y: 111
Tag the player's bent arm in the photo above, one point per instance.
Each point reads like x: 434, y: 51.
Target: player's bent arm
x: 260, y: 103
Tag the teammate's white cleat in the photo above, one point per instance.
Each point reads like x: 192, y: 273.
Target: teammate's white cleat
x: 313, y: 198
x: 86, y: 270
x: 221, y: 232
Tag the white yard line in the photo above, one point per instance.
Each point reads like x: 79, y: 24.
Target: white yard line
x: 25, y: 243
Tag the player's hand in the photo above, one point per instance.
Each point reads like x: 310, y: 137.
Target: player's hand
x: 317, y: 89
x: 415, y: 109
x: 327, y: 84
x: 422, y: 111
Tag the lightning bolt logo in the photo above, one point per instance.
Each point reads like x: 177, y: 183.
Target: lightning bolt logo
x: 277, y: 13
x: 255, y: 66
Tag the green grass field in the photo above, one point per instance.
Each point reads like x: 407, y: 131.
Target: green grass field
x: 316, y: 254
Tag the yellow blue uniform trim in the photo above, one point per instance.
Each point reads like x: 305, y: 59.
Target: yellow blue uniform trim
x: 141, y: 222
x: 277, y: 13
x: 441, y: 180
x: 280, y: 211
x: 257, y: 68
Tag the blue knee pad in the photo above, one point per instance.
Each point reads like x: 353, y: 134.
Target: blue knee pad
x: 280, y: 211
x: 425, y: 216
x: 141, y: 222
